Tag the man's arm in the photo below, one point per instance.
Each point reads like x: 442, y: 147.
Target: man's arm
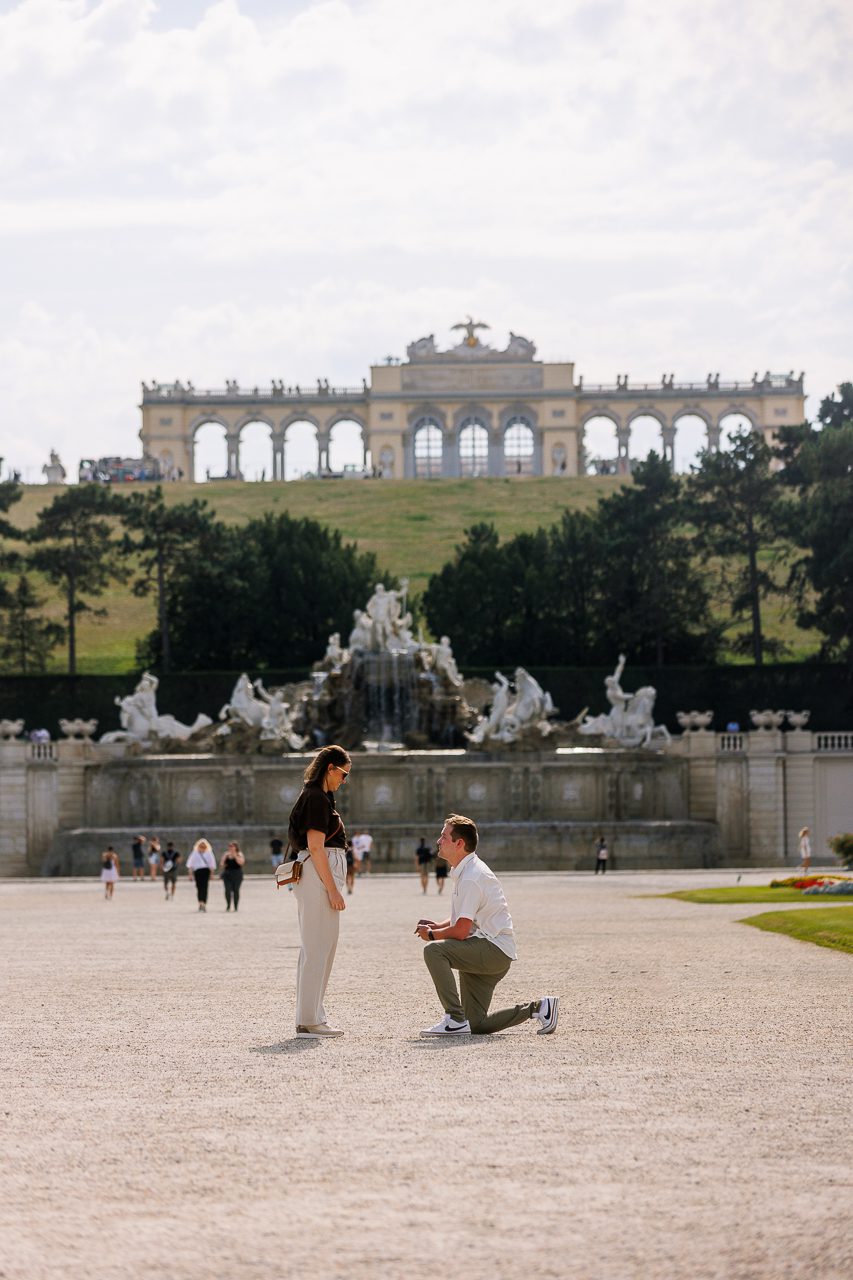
x: 460, y: 930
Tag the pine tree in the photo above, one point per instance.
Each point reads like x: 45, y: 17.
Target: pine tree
x: 28, y: 638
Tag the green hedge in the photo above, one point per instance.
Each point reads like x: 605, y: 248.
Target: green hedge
x: 731, y: 691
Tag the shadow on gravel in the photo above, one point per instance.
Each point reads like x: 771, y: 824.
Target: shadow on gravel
x: 297, y: 1045
x: 444, y: 1042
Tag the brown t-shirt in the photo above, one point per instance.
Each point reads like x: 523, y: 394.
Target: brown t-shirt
x: 315, y: 811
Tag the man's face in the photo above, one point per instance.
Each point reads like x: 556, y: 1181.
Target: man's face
x: 448, y: 848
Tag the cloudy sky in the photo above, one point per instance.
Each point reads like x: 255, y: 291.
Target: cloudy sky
x: 278, y: 188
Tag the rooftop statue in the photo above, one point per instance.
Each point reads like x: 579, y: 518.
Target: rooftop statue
x: 471, y: 326
x: 425, y: 351
x: 629, y: 722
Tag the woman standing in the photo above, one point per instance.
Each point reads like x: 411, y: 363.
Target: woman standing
x: 200, y: 866
x: 805, y: 849
x: 109, y: 871
x: 317, y: 832
x: 231, y: 869
x: 153, y: 857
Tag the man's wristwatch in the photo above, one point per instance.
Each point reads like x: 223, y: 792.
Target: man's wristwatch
x: 430, y: 935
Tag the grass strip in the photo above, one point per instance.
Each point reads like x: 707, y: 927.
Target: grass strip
x: 741, y: 893
x: 825, y: 927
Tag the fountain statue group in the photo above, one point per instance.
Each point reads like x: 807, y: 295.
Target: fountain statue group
x: 387, y: 688
x: 141, y: 721
x: 629, y: 722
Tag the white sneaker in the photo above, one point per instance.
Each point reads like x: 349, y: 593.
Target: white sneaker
x: 448, y: 1027
x: 548, y: 1015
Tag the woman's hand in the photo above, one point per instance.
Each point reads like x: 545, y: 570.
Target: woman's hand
x: 336, y: 902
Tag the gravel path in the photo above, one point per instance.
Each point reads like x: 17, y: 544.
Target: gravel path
x: 689, y: 1119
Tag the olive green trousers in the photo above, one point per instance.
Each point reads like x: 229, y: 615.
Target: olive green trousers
x: 481, y: 965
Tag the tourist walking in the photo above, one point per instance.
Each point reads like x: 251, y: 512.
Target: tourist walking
x: 423, y: 857
x: 231, y: 869
x: 602, y: 853
x: 366, y: 851
x: 171, y: 859
x: 441, y: 870
x: 805, y: 849
x: 276, y: 852
x: 109, y: 871
x: 200, y: 866
x: 477, y: 941
x: 317, y: 833
x: 153, y: 857
x: 137, y: 853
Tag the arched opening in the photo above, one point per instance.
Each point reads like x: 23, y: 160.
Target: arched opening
x: 518, y: 448
x: 256, y: 451
x: 300, y: 451
x: 210, y: 453
x: 691, y: 438
x: 645, y: 438
x: 600, y: 449
x: 346, y: 447
x: 429, y: 447
x: 473, y: 448
x: 730, y: 425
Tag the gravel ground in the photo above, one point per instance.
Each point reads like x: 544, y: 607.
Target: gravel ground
x: 690, y: 1118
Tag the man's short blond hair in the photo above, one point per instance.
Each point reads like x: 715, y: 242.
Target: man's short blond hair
x: 464, y: 829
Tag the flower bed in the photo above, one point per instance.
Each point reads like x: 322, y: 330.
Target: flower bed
x: 816, y: 884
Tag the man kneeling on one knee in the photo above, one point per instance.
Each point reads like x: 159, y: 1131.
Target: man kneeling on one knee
x: 477, y: 941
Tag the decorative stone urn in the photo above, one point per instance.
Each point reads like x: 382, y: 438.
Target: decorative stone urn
x: 767, y: 719
x: 798, y: 719
x: 81, y: 729
x: 11, y: 729
x: 694, y: 719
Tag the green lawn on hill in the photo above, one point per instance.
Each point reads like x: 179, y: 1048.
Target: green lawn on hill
x: 412, y: 526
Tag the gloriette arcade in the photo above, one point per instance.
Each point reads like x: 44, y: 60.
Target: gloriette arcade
x: 471, y: 410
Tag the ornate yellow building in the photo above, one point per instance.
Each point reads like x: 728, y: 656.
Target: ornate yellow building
x: 471, y: 410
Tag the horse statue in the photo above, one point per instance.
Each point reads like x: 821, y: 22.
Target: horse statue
x: 244, y: 707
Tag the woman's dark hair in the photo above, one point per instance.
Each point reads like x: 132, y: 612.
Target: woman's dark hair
x: 332, y: 754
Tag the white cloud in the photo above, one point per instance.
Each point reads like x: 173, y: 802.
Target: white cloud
x: 297, y: 188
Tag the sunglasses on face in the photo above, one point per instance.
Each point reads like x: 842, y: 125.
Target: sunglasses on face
x: 343, y: 772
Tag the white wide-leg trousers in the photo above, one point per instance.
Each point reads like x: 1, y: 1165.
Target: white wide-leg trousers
x: 318, y: 930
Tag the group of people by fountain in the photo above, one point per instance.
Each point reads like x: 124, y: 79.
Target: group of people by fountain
x: 201, y: 865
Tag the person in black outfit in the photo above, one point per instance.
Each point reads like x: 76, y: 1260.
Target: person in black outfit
x: 317, y: 832
x: 137, y: 850
x: 171, y: 858
x: 601, y: 855
x: 423, y: 857
x: 231, y: 870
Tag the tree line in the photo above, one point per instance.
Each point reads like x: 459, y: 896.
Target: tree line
x: 671, y: 569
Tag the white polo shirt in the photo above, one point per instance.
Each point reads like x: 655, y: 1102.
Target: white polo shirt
x: 478, y: 896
